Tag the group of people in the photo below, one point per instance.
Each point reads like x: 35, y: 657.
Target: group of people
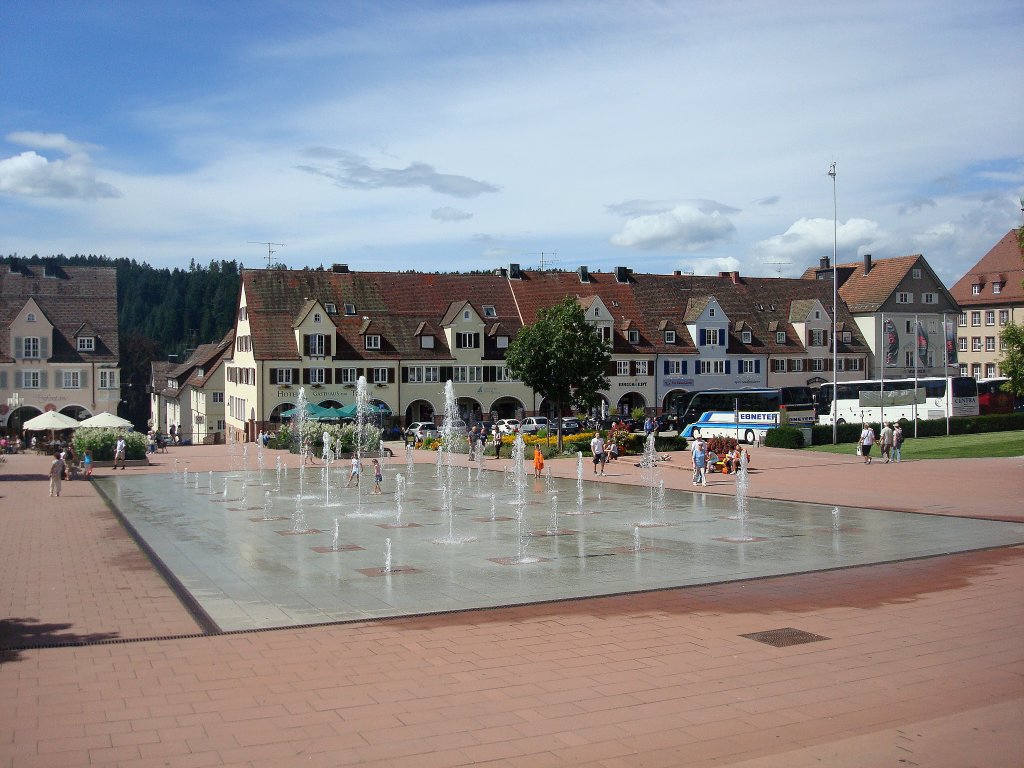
x: 64, y: 467
x: 10, y: 446
x: 603, y: 452
x: 705, y: 461
x: 890, y: 442
x: 356, y: 472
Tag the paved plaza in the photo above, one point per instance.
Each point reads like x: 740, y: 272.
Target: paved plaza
x: 888, y: 638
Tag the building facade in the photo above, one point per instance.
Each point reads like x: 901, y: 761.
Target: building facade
x: 59, y: 347
x: 991, y: 296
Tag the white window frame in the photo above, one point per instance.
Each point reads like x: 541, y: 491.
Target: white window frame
x: 712, y: 367
x: 990, y: 317
x: 317, y: 375
x: 109, y: 379
x: 426, y: 342
x: 475, y: 373
x: 431, y: 374
x: 990, y: 370
x: 380, y: 375
x: 997, y: 287
x: 963, y: 320
x: 853, y: 364
x: 817, y: 337
x: 975, y: 289
x: 317, y: 344
x: 459, y: 375
x: 962, y: 343
x: 414, y: 374
x: 840, y: 364
x: 747, y: 337
x: 30, y: 347
x: 675, y: 367
x: 798, y: 364
x: 780, y: 337
x: 1004, y: 316
x: 643, y: 367
x: 30, y: 380
x: 86, y: 343
x: 670, y: 337
x: 501, y: 342
x: 778, y: 365
x: 916, y: 273
x: 622, y: 367
x: 711, y: 337
x: 976, y: 319
x: 748, y: 365
x: 465, y: 340
x: 975, y: 343
x: 218, y: 397
x: 817, y: 364
x: 372, y: 341
x: 490, y: 311
x: 990, y: 343
x: 904, y: 297
x: 929, y: 298
x: 349, y: 375
x: 71, y: 380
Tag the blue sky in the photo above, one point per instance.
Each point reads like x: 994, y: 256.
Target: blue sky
x: 456, y: 136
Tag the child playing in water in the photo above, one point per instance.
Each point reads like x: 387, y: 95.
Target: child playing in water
x: 378, y: 476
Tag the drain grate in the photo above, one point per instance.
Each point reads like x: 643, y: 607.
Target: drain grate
x: 781, y: 638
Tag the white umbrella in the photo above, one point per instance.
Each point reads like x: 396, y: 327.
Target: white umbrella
x: 53, y: 420
x: 106, y: 421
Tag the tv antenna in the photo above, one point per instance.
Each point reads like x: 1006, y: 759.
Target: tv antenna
x: 778, y: 264
x: 547, y: 258
x: 270, y: 249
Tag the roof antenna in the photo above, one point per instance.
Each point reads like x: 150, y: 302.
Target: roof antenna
x: 270, y: 250
x: 778, y: 265
x: 546, y: 258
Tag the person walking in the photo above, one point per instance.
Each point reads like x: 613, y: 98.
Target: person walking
x: 87, y: 465
x: 496, y: 441
x: 56, y: 473
x: 897, y: 443
x: 538, y: 461
x: 119, y: 451
x: 357, y: 469
x: 699, y: 459
x: 597, y: 448
x: 867, y: 439
x: 885, y: 441
x: 378, y: 477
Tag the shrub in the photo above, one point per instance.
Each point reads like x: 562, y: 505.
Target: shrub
x: 674, y: 443
x: 722, y: 445
x: 784, y: 437
x: 102, y: 442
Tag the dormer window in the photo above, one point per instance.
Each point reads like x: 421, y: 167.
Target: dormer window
x: 916, y: 273
x: 316, y: 345
x: 817, y: 314
x: 465, y: 314
x: 634, y: 337
x: 426, y: 342
x: 490, y: 311
x: 86, y: 343
x: 501, y: 342
x: 317, y: 318
x: 976, y: 289
x: 780, y: 337
x: 372, y: 341
x: 670, y: 337
x: 597, y: 311
x: 747, y: 337
x: 30, y: 317
x: 997, y: 287
x: 350, y: 309
x: 332, y: 309
x: 711, y: 312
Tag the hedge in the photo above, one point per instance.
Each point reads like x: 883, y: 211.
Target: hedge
x: 784, y: 437
x: 958, y: 425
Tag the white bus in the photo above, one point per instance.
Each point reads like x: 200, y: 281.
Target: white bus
x: 746, y: 414
x: 876, y: 400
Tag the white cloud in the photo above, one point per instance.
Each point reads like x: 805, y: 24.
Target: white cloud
x: 30, y: 174
x: 807, y: 240
x: 684, y: 228
x: 450, y: 214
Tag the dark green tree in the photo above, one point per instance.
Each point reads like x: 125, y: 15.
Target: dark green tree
x: 561, y: 357
x: 1011, y: 363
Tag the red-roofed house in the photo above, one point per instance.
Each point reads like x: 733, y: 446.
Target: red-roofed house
x: 991, y: 295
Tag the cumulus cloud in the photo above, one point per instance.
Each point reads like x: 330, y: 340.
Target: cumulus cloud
x: 450, y: 214
x: 685, y: 227
x: 30, y: 174
x: 807, y: 240
x: 354, y: 172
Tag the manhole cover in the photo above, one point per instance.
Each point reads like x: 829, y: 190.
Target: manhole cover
x: 780, y: 638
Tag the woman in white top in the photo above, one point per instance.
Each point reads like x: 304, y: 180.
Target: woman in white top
x: 867, y: 439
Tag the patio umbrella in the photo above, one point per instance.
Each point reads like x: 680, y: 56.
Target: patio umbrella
x: 106, y: 421
x: 313, y: 411
x: 351, y: 411
x: 51, y: 420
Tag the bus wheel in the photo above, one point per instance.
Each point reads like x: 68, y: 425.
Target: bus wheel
x: 748, y: 437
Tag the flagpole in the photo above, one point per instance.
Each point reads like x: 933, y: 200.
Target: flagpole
x: 917, y: 342
x: 881, y: 398
x: 945, y: 371
x: 835, y: 308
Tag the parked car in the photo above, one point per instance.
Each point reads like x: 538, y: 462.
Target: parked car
x: 508, y: 426
x: 424, y: 430
x: 570, y: 425
x: 531, y: 425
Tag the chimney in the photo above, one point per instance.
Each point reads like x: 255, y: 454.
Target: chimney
x: 735, y: 277
x: 824, y: 262
x: 501, y: 271
x: 867, y: 263
x: 622, y: 274
x: 677, y: 272
x: 339, y: 269
x: 584, y: 274
x: 514, y: 272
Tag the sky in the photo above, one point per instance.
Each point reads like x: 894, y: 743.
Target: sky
x: 455, y: 136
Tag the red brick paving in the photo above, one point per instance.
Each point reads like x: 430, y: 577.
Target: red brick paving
x: 923, y: 665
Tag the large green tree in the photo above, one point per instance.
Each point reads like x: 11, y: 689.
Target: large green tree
x: 1011, y: 363
x: 561, y: 357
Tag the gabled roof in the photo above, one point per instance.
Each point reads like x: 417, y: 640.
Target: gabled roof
x: 799, y: 309
x: 67, y: 296
x: 1004, y: 263
x: 867, y: 292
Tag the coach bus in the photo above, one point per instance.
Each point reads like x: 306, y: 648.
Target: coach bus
x: 875, y: 400
x: 745, y: 414
x: 992, y: 398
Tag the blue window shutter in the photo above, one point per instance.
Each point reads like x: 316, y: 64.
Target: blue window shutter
x: 728, y: 366
x: 666, y: 367
x: 757, y: 366
x: 723, y: 337
x: 683, y: 369
x: 703, y: 337
x: 19, y: 348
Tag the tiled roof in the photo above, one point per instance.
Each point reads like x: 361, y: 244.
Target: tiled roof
x: 1005, y: 263
x: 868, y: 292
x: 68, y: 296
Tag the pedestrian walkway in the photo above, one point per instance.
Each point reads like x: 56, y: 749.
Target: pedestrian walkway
x: 916, y: 662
